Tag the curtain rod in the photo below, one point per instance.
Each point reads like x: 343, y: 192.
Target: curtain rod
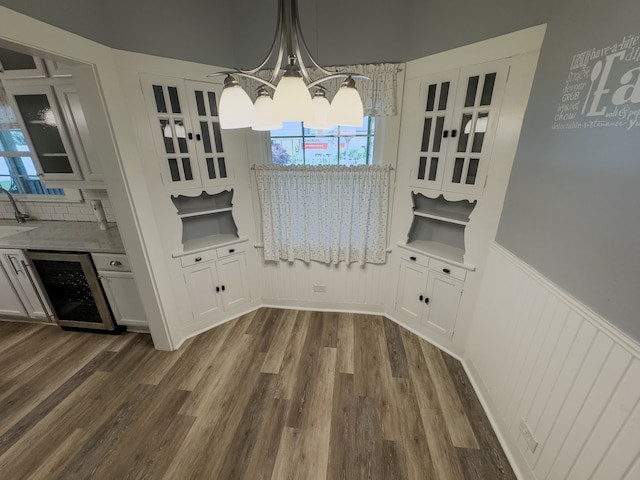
x: 253, y: 167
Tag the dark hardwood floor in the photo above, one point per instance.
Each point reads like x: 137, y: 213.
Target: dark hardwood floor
x: 275, y: 394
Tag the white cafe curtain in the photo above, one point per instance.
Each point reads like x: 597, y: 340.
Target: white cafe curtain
x: 326, y: 214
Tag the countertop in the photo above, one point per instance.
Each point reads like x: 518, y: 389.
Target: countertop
x: 63, y: 236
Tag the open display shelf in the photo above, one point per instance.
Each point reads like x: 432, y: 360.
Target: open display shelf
x: 438, y: 226
x: 207, y: 220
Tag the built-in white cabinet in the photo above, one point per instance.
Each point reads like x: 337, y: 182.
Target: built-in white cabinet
x: 216, y: 281
x: 21, y: 293
x: 452, y: 125
x: 121, y: 290
x: 429, y: 293
x: 186, y: 131
x: 438, y: 226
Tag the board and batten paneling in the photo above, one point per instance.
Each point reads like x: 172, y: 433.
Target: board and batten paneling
x: 348, y: 287
x: 539, y: 355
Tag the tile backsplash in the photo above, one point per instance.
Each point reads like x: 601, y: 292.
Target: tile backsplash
x: 69, y: 211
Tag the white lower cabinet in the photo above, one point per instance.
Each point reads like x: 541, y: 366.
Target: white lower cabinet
x: 21, y: 294
x: 429, y: 293
x: 216, y: 282
x: 10, y: 303
x: 121, y: 290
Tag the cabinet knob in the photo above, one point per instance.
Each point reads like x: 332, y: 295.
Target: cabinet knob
x: 223, y: 288
x: 426, y: 300
x: 446, y: 270
x: 115, y: 263
x: 190, y: 135
x: 198, y: 259
x: 413, y: 259
x: 421, y: 297
x: 454, y: 133
x: 217, y: 289
x: 445, y: 133
x: 198, y: 137
x: 231, y: 250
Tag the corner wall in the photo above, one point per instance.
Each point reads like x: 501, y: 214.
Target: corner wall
x: 537, y: 354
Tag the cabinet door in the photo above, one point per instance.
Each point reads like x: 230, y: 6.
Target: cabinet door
x: 25, y: 284
x: 172, y: 131
x: 233, y: 280
x: 41, y: 119
x: 122, y: 293
x: 444, y: 297
x: 480, y: 91
x: 10, y: 303
x: 411, y: 291
x: 202, y: 280
x: 79, y: 134
x: 203, y: 105
x: 436, y: 101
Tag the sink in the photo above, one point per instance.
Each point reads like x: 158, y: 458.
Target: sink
x: 8, y: 230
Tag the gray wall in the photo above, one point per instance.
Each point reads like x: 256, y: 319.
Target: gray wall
x: 572, y: 209
x: 239, y: 32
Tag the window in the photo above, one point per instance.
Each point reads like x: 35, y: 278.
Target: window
x: 295, y: 145
x: 18, y: 173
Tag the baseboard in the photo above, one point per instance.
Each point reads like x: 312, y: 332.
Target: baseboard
x: 516, y: 460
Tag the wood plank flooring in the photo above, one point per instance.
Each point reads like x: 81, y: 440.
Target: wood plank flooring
x: 275, y: 394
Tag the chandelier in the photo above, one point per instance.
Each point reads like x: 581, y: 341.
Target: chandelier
x: 296, y: 97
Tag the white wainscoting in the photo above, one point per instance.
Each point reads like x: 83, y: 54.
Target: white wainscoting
x: 348, y: 287
x: 536, y: 353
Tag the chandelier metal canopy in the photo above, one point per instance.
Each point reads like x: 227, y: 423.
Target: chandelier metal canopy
x: 292, y: 86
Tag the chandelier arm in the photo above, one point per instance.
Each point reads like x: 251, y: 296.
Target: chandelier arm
x: 336, y: 75
x: 275, y: 45
x: 278, y: 66
x: 301, y: 45
x: 246, y: 74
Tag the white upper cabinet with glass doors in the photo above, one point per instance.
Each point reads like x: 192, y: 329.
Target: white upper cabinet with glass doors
x: 186, y: 130
x: 43, y: 105
x: 455, y: 127
x: 40, y: 117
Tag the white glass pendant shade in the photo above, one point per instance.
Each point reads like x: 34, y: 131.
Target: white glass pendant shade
x: 264, y: 113
x: 321, y: 110
x: 292, y: 101
x: 236, y: 109
x: 346, y: 108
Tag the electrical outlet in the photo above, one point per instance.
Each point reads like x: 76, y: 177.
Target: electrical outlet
x: 528, y: 435
x: 320, y: 288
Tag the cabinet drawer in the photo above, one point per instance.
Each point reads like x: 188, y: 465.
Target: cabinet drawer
x: 196, y: 258
x: 230, y: 250
x: 441, y: 267
x: 112, y: 262
x: 416, y: 258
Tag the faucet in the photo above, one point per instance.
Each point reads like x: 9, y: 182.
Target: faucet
x: 20, y: 217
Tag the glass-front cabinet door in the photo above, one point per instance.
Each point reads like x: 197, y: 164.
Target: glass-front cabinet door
x: 437, y: 99
x: 40, y: 117
x: 480, y: 91
x: 186, y: 130
x: 459, y: 113
x: 172, y: 131
x: 203, y: 102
